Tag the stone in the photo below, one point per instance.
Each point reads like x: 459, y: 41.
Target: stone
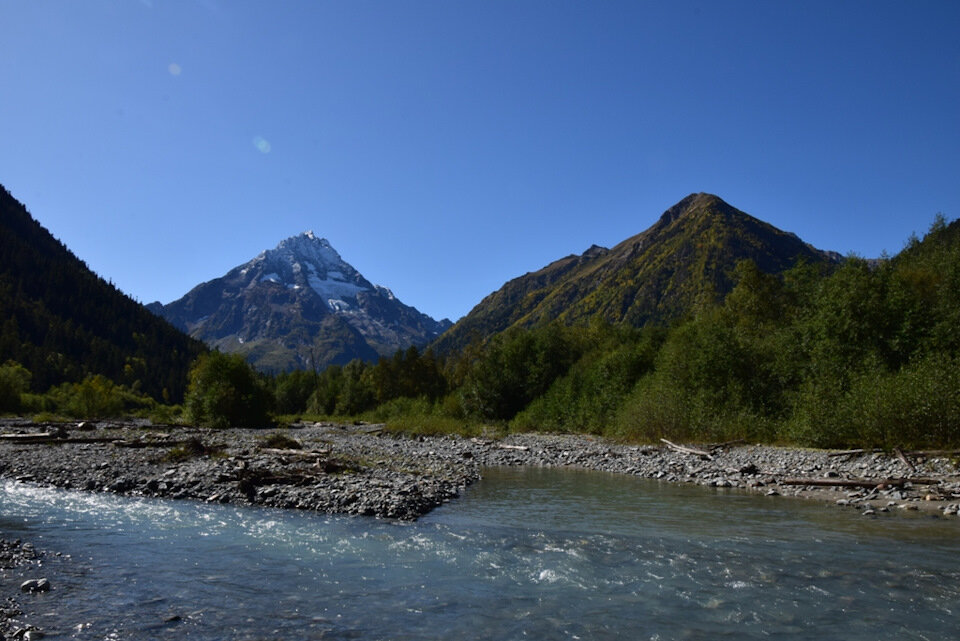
x: 35, y: 585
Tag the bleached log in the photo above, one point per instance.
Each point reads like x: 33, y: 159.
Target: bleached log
x: 687, y: 450
x: 868, y: 483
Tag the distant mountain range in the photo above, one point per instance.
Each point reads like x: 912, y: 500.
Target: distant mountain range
x: 301, y: 305
x: 686, y: 257
x: 63, y: 322
x: 297, y: 306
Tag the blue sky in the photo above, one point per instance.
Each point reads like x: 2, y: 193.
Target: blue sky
x: 446, y: 147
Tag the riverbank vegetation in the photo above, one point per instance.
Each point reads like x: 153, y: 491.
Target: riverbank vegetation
x: 864, y: 354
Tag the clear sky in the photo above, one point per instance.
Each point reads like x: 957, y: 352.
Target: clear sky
x: 446, y: 147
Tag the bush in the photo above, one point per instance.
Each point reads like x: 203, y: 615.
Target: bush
x: 916, y: 407
x: 710, y: 383
x: 224, y: 391
x: 516, y: 367
x: 96, y: 397
x: 589, y: 396
x: 14, y: 382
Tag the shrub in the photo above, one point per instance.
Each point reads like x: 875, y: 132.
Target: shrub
x: 224, y: 391
x: 14, y: 382
x: 918, y: 406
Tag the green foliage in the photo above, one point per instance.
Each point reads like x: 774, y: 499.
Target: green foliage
x: 292, y: 391
x: 915, y: 407
x: 96, y: 397
x: 14, y: 382
x: 588, y: 396
x: 225, y: 392
x: 710, y: 382
x: 517, y: 367
x: 360, y: 386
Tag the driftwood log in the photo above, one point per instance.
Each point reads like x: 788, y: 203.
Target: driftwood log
x: 304, y: 454
x: 933, y: 453
x: 853, y: 452
x: 688, y: 450
x: 868, y: 483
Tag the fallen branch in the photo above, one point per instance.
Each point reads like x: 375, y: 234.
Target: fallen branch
x: 868, y: 483
x: 41, y: 437
x: 295, y: 453
x: 933, y: 453
x: 687, y: 450
x: 906, y: 461
x: 852, y: 452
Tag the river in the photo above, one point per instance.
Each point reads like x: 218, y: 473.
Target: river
x: 525, y: 553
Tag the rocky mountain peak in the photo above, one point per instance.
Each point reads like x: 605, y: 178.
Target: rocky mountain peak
x: 692, y: 205
x: 297, y: 299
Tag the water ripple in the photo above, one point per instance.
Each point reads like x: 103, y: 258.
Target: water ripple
x: 541, y: 554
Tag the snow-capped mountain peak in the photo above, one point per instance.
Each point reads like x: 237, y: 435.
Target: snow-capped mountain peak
x: 291, y: 297
x: 310, y: 263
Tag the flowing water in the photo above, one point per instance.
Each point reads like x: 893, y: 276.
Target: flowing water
x: 525, y: 553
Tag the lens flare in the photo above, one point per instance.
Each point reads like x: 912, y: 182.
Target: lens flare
x: 261, y: 144
x: 174, y: 69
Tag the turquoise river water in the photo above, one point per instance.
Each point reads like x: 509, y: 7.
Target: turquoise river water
x: 524, y: 554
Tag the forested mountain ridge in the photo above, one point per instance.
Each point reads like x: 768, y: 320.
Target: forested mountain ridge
x: 687, y: 257
x: 63, y: 322
x: 299, y: 306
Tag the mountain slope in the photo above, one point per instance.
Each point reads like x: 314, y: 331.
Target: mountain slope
x: 657, y: 275
x: 62, y: 321
x: 296, y: 305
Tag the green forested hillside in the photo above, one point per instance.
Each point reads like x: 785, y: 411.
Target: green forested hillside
x: 685, y: 259
x: 63, y: 322
x: 864, y: 353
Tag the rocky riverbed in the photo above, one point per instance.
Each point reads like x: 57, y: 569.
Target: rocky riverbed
x: 363, y: 470
x: 17, y: 561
